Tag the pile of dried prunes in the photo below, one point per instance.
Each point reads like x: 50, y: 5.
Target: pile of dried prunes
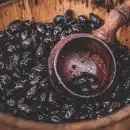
x: 25, y: 89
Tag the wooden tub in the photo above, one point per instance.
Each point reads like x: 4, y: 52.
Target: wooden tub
x: 44, y: 11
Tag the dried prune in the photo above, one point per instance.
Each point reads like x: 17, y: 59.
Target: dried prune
x: 59, y: 19
x: 85, y: 84
x: 57, y: 29
x: 8, y: 67
x: 41, y: 28
x: 51, y: 98
x: 55, y: 119
x: 15, y: 76
x: 32, y: 91
x: 127, y: 101
x: 73, y: 21
x: 27, y: 43
x: 3, y: 35
x: 29, y: 24
x: 63, y: 34
x: 43, y: 117
x: 35, y: 80
x: 114, y: 106
x: 11, y: 49
x: 2, y: 65
x: 18, y: 85
x: 35, y: 38
x: 76, y: 28
x: 96, y: 21
x: 40, y: 51
x: 14, y: 59
x: 39, y: 68
x: 44, y: 83
x: 11, y: 102
x: 43, y: 96
x: 69, y: 114
x: 5, y: 79
x: 1, y: 54
x: 21, y: 100
x: 26, y: 54
x: 24, y: 34
x: 83, y: 19
x: 16, y: 26
x: 49, y: 26
x: 25, y: 108
x: 26, y: 62
x: 68, y: 15
x: 3, y: 38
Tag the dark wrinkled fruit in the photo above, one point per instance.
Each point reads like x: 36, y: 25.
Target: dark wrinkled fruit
x: 16, y: 26
x: 11, y: 102
x: 63, y: 34
x: 40, y: 51
x: 31, y: 91
x: 2, y: 65
x: 24, y: 108
x: 55, y: 119
x: 5, y: 79
x: 95, y: 21
x: 86, y: 84
x: 29, y: 24
x: 43, y: 96
x: 76, y: 28
x: 83, y: 19
x: 57, y: 30
x: 36, y: 80
x: 39, y: 68
x: 41, y: 28
x: 26, y: 63
x: 43, y: 117
x: 68, y: 15
x: 11, y: 49
x: 26, y: 44
x: 14, y: 59
x: 49, y: 26
x: 59, y: 19
x: 24, y: 34
x: 3, y: 38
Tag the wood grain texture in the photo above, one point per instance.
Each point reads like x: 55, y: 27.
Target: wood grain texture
x: 44, y: 11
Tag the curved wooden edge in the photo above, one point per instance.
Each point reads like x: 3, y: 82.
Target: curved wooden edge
x: 7, y: 3
x: 92, y: 124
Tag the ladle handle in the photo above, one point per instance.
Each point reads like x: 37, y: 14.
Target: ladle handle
x: 117, y: 18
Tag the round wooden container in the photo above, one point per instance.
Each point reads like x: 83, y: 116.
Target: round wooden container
x: 44, y: 11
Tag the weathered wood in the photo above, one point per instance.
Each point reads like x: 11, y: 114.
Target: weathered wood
x: 16, y: 10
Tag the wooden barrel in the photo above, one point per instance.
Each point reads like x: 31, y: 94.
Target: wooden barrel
x: 44, y: 11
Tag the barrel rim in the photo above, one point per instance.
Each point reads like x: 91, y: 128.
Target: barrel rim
x: 111, y: 119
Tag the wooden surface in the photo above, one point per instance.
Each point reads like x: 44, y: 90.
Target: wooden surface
x: 44, y: 11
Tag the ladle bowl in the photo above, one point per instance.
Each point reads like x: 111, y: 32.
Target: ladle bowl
x: 84, y: 54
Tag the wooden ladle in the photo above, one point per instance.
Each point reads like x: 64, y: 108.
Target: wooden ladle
x: 65, y: 61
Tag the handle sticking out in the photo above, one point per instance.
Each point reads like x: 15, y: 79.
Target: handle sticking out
x: 117, y: 18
